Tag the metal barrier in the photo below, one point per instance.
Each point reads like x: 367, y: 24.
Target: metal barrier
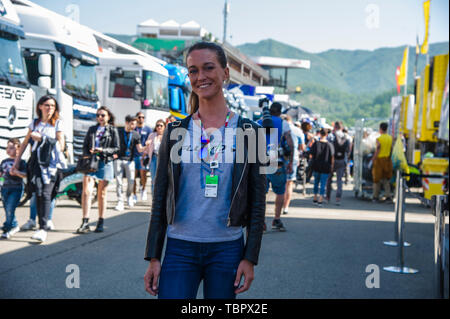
x: 400, y: 268
x: 440, y: 210
x: 398, y: 186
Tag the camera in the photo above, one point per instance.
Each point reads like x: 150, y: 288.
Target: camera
x: 266, y: 116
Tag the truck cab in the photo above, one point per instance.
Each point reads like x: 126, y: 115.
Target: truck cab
x: 129, y: 83
x: 179, y: 90
x: 60, y: 57
x: 16, y: 97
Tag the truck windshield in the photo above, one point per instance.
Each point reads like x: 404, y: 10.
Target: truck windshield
x: 79, y: 81
x: 11, y: 62
x: 156, y: 90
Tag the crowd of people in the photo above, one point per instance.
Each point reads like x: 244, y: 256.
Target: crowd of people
x: 201, y: 204
x: 128, y: 152
x: 326, y: 151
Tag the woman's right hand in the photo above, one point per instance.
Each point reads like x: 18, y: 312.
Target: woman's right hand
x: 151, y: 277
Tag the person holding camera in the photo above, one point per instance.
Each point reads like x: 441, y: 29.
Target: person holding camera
x: 282, y: 137
x: 101, y: 140
x: 129, y: 145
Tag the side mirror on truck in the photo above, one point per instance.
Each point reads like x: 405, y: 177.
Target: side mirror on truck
x: 45, y: 71
x: 138, y: 90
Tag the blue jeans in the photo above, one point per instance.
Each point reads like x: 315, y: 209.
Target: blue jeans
x: 11, y: 198
x: 33, y: 209
x: 187, y: 263
x: 320, y: 178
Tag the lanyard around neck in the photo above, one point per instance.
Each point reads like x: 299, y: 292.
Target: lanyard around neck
x: 206, y: 142
x: 205, y: 138
x: 128, y: 143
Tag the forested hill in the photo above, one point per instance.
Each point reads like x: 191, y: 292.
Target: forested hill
x: 345, y: 85
x: 356, y: 71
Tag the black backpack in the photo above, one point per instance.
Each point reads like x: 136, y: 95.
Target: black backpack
x: 340, y: 151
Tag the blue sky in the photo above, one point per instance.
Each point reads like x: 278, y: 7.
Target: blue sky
x: 313, y: 26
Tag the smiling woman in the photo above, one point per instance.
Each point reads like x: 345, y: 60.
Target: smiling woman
x: 208, y: 70
x: 203, y: 208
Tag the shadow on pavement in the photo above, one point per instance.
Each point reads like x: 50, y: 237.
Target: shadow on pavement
x: 314, y: 258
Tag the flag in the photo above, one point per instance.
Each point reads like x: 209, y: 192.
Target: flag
x: 398, y: 156
x: 397, y: 73
x: 403, y: 68
x: 426, y: 13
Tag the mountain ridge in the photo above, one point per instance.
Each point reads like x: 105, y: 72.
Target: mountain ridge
x: 352, y: 71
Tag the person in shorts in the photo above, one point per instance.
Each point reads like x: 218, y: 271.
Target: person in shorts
x: 141, y: 163
x: 278, y: 179
x: 102, y: 139
x: 382, y: 164
x: 298, y: 145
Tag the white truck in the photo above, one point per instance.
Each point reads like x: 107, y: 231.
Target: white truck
x: 16, y: 97
x: 60, y: 57
x: 128, y: 83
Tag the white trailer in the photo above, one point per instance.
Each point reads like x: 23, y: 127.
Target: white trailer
x: 16, y: 97
x: 60, y: 57
x: 129, y: 83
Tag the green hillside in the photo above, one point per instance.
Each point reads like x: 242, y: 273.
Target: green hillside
x: 342, y: 84
x: 356, y: 71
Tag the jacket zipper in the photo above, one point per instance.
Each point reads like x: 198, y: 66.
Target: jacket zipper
x: 234, y: 195
x: 173, y: 192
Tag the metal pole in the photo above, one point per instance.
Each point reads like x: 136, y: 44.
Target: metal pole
x: 305, y: 163
x: 401, y: 268
x: 225, y: 20
x: 398, y: 200
x: 439, y: 238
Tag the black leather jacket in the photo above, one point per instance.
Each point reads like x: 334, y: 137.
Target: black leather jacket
x: 248, y: 203
x: 109, y: 142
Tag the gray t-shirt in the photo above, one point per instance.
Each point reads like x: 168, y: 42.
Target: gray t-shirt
x: 199, y: 218
x: 10, y: 180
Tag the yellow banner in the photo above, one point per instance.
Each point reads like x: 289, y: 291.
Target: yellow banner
x: 403, y: 68
x: 426, y: 13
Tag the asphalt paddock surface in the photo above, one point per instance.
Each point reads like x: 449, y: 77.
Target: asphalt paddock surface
x: 328, y: 252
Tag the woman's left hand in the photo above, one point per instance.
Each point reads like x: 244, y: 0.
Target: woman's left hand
x: 245, y: 269
x: 37, y: 137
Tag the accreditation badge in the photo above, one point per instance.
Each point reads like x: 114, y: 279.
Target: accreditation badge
x: 211, y: 186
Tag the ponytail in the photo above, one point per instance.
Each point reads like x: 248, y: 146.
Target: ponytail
x: 193, y: 101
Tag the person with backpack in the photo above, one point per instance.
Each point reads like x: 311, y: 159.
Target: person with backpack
x: 341, y: 146
x: 322, y: 156
x: 283, y: 142
x: 298, y: 146
x: 46, y: 138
